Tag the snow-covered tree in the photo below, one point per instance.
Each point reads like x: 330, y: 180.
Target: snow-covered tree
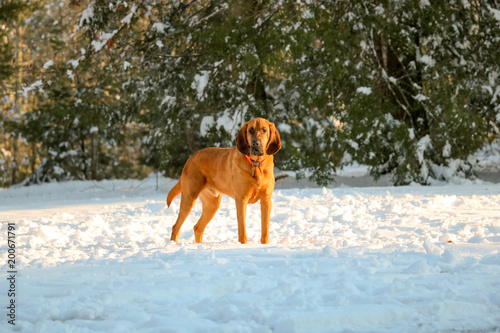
x: 427, y: 98
x: 407, y: 87
x: 68, y: 115
x: 15, y: 159
x: 402, y: 86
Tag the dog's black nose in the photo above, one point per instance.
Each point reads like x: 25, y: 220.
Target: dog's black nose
x: 255, y: 143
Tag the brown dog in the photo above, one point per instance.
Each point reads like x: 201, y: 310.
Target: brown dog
x: 245, y: 173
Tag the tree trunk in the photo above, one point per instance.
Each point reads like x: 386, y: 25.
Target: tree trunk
x: 15, y: 165
x: 19, y: 81
x: 95, y: 155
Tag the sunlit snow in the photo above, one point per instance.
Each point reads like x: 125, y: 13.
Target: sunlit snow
x: 96, y: 257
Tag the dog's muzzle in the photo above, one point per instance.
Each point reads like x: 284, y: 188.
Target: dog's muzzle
x: 256, y: 149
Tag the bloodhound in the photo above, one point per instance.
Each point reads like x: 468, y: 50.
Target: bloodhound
x: 245, y: 173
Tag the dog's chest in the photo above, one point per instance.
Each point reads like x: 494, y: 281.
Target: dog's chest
x: 257, y: 193
x: 259, y: 188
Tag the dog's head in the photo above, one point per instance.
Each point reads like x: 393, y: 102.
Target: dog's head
x: 258, y: 137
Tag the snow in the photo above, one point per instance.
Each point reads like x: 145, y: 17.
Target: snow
x: 36, y: 86
x: 447, y: 149
x: 160, y: 27
x: 95, y: 257
x: 87, y: 15
x: 364, y: 90
x: 75, y: 62
x: 200, y: 82
x: 411, y: 133
x: 354, y: 170
x: 489, y: 157
x: 496, y: 95
x: 206, y: 124
x: 126, y: 20
x: 429, y: 61
x: 285, y: 128
x: 420, y: 97
x: 48, y: 64
x: 159, y: 43
x: 422, y: 146
x: 103, y: 40
x: 169, y: 100
x: 494, y: 12
x: 307, y: 14
x: 231, y: 122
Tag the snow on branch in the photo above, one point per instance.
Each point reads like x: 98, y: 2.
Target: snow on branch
x: 87, y: 15
x: 104, y: 39
x: 36, y: 86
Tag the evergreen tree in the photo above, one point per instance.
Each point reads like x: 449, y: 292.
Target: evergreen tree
x: 72, y: 119
x: 406, y: 87
x: 425, y: 68
x: 14, y: 161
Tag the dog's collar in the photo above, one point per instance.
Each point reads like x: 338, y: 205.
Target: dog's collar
x: 254, y: 164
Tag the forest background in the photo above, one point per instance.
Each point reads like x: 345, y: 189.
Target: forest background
x: 118, y: 89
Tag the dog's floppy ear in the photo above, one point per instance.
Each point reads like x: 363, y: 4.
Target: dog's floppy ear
x: 274, y: 143
x: 241, y: 140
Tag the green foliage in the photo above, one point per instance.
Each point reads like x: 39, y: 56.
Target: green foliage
x: 407, y: 88
x: 9, y: 13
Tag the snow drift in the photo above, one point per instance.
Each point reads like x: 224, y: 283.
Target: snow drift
x: 95, y: 257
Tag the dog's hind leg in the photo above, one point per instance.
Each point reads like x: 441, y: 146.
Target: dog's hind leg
x: 187, y: 204
x: 211, y: 203
x: 192, y: 185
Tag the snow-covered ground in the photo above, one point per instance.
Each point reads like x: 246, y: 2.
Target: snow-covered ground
x: 95, y: 257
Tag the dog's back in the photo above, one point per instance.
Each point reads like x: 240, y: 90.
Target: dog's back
x: 205, y: 168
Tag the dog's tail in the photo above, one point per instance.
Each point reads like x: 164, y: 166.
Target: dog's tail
x: 175, y: 191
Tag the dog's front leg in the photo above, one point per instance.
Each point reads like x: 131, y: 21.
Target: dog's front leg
x: 265, y: 215
x: 241, y: 212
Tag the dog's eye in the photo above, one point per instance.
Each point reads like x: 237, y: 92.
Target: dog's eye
x: 264, y: 130
x: 251, y: 131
